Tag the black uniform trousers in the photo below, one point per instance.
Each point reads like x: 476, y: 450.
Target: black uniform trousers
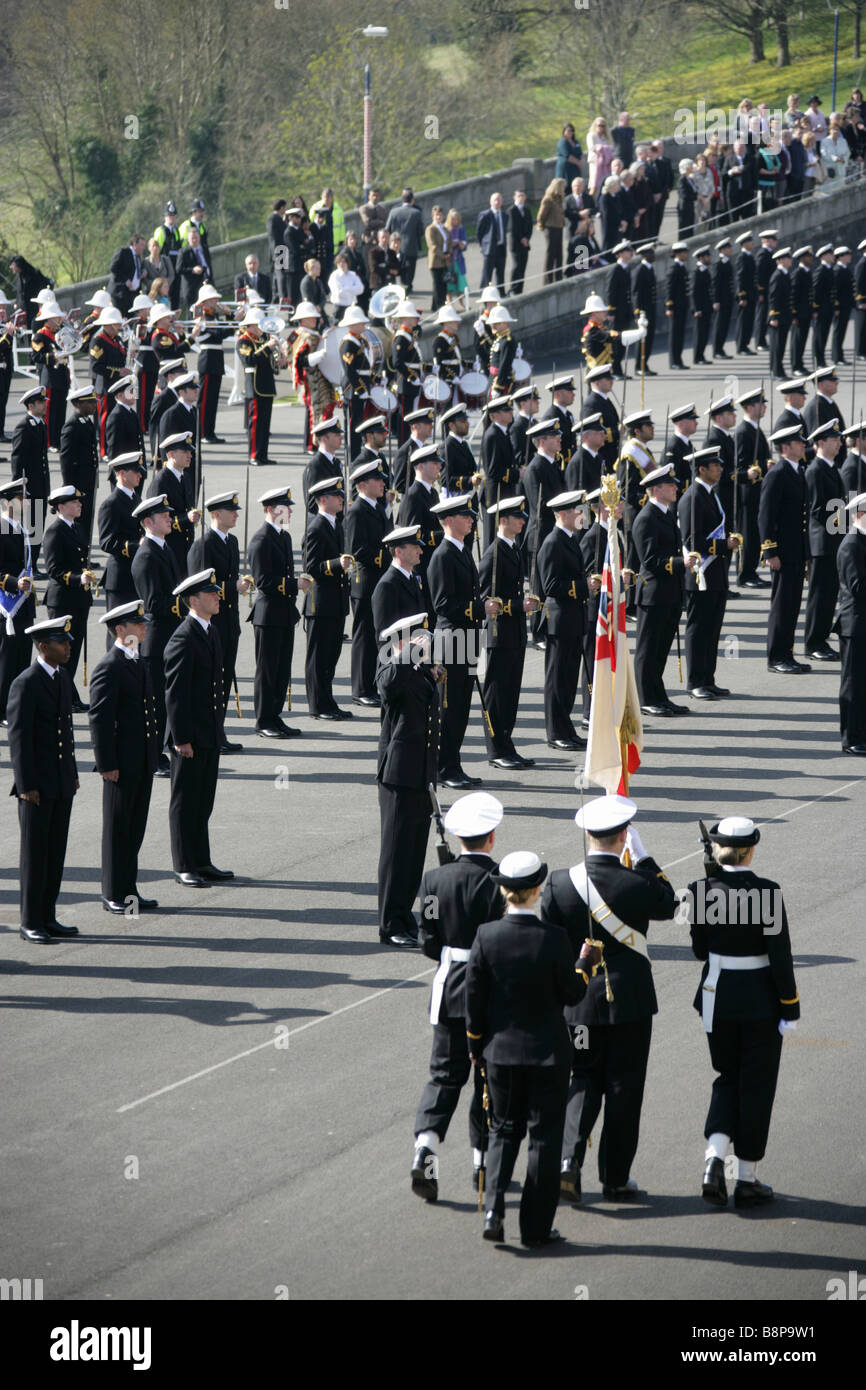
x: 16, y: 653
x: 193, y: 789
x: 449, y: 1071
x: 820, y: 601
x: 274, y: 647
x: 77, y: 630
x: 745, y: 319
x: 125, y: 806
x: 820, y: 333
x: 229, y: 641
x: 455, y: 700
x: 799, y: 340
x: 748, y: 519
x: 44, y: 832
x: 677, y: 338
x: 785, y: 600
x: 778, y: 337
x: 852, y: 690
x: 702, y: 335
x: 705, y: 613
x: 561, y: 673
x: 746, y: 1054
x: 404, y: 814
x: 324, y: 642
x: 502, y: 681
x: 364, y: 648
x: 612, y: 1068
x: 526, y: 1099
x: 258, y: 422
x: 656, y: 629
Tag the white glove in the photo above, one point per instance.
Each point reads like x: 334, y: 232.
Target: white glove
x: 635, y: 845
x: 787, y: 1026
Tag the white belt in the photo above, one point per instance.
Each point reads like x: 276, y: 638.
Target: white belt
x: 718, y: 964
x: 449, y: 953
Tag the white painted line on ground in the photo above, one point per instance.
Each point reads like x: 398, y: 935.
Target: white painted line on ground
x: 368, y: 998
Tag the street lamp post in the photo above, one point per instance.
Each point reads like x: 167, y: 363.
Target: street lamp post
x: 370, y: 31
x: 835, y: 52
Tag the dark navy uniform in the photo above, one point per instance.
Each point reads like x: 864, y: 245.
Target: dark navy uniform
x: 782, y: 521
x: 54, y: 376
x: 64, y: 555
x: 119, y: 535
x: 542, y: 481
x: 825, y: 500
x: 823, y: 308
x: 455, y: 593
x: 396, y: 596
x: 764, y: 267
x: 563, y: 584
x: 503, y: 350
x: 747, y: 298
x: 194, y: 713
x: 274, y: 617
x: 211, y: 370
x: 659, y: 599
x: 603, y: 405
x: 356, y: 382
x: 79, y: 464
x: 180, y: 418
x: 818, y: 411
x: 155, y: 574
x: 723, y: 295
x: 780, y: 316
x: 16, y: 648
x: 677, y: 306
x: 30, y: 462
x: 460, y: 465
x: 366, y: 523
x: 181, y: 499
x: 705, y: 608
x: 610, y: 1065
x: 326, y: 605
x: 505, y: 640
x: 222, y: 556
x: 123, y: 432
x: 107, y: 365
x: 851, y: 565
x: 417, y: 510
x: 583, y: 472
x: 408, y: 370
x: 501, y: 473
x: 801, y: 311
x: 702, y: 309
x: 125, y: 737
x: 752, y: 448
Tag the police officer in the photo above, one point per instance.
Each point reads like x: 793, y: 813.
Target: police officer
x: 519, y: 978
x: 784, y: 545
x: 326, y: 603
x: 851, y: 564
x: 42, y: 752
x: 455, y: 899
x: 407, y: 759
x: 126, y: 748
x: 155, y: 574
x: 563, y: 584
x: 602, y: 899
x: 357, y: 378
x: 399, y: 592
x: 275, y: 613
x: 365, y: 526
x: 455, y: 593
x: 218, y: 550
x: 79, y: 453
x: 661, y: 566
x: 705, y: 530
x: 747, y: 1000
x: 17, y: 600
x: 194, y: 717
x: 753, y: 459
x: 825, y: 500
x: 64, y: 553
x: 505, y: 635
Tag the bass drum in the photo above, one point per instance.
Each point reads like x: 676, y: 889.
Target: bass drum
x: 330, y: 365
x: 522, y: 370
x: 384, y: 400
x: 472, y: 389
x: 435, y: 391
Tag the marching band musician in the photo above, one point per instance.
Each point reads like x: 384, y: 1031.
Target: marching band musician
x: 167, y: 341
x: 7, y: 357
x: 30, y: 462
x: 327, y: 602
x: 421, y: 425
x: 123, y: 732
x: 89, y: 324
x: 212, y: 333
x: 79, y: 452
x: 406, y: 364
x: 64, y: 552
x: 119, y: 529
x: 596, y: 340
x: 218, y: 550
x: 501, y: 474
x: 481, y: 327
x: 357, y: 372
x: 141, y: 356
x: 260, y: 387
x: 365, y: 526
x: 446, y: 348
x: 315, y: 392
x: 748, y: 1001
x: 53, y: 369
x: 503, y: 350
x: 505, y: 635
x: 275, y: 613
x: 107, y: 365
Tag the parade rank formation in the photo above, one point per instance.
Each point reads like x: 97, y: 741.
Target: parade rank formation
x: 544, y: 993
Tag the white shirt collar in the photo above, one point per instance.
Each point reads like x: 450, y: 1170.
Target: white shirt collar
x: 395, y: 564
x: 173, y: 470
x: 708, y: 486
x: 49, y: 670
x: 128, y: 491
x: 328, y: 517
x: 371, y: 501
x: 507, y: 540
x: 455, y: 542
x: 277, y: 528
x: 201, y: 622
x: 662, y: 506
x: 559, y: 524
x: 67, y: 519
x: 223, y: 535
x: 157, y: 540
x: 130, y: 652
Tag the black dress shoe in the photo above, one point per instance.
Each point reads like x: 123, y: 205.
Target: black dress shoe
x: 456, y: 781
x: 677, y: 709
x: 401, y: 940
x: 789, y: 668
x: 621, y: 1194
x: 569, y: 1182
x: 824, y: 654
x: 540, y: 646
x: 58, y: 929
x: 337, y: 714
x: 367, y: 700
x: 35, y: 934
x: 272, y: 733
x: 473, y: 781
x: 553, y: 1235
x: 231, y: 747
x: 648, y: 371
x: 109, y: 905
x: 424, y: 1184
x: 680, y: 367
x: 191, y: 880
x: 288, y: 731
x: 658, y: 711
x: 494, y: 1228
x: 507, y: 764
x: 213, y: 439
x: 703, y: 692
x: 726, y: 355
x: 146, y: 904
x: 752, y: 583
x: 215, y: 875
x: 714, y: 1189
x: 747, y: 352
x: 720, y: 691
x: 857, y: 750
x: 752, y: 1194
x: 567, y: 745
x: 524, y: 762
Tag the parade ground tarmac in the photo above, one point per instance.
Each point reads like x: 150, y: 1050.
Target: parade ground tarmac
x: 216, y: 1101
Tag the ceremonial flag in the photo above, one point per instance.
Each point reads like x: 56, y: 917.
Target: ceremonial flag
x: 615, y: 725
